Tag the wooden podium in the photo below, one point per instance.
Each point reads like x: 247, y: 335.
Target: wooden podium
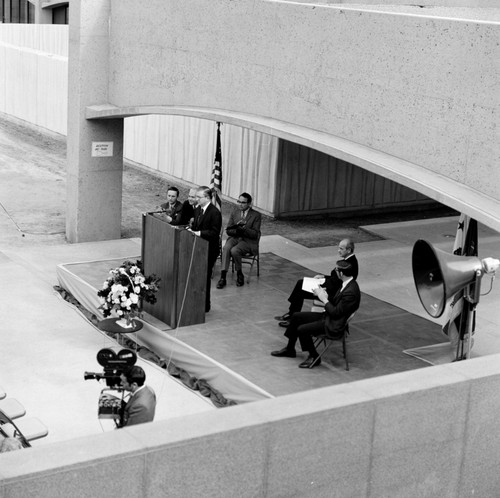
x: 180, y: 259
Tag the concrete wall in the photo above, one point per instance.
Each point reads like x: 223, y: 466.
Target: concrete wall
x: 426, y: 433
x: 34, y: 88
x: 412, y: 97
x: 34, y: 74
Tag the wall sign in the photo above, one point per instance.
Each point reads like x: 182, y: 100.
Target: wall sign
x: 102, y: 149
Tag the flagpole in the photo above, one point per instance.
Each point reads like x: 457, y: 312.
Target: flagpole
x: 216, y: 179
x: 472, y: 302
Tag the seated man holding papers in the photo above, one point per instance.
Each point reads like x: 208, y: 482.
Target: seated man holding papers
x: 330, y: 283
x: 332, y: 321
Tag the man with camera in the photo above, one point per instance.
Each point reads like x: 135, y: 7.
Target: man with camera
x: 141, y: 405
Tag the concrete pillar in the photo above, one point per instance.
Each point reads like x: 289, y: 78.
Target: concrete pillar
x: 42, y: 16
x: 95, y: 148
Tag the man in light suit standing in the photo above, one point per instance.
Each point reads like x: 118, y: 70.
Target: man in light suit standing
x: 140, y: 407
x: 304, y: 325
x: 243, y: 229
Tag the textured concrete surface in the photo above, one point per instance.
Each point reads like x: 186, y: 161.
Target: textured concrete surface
x: 406, y: 95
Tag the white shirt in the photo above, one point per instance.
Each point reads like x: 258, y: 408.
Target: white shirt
x: 344, y: 283
x: 137, y: 390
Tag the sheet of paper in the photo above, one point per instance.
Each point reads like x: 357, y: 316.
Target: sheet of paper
x: 311, y: 283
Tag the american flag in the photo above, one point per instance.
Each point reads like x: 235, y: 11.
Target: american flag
x: 216, y: 180
x: 465, y: 245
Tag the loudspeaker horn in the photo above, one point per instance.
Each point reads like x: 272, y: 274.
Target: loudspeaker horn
x: 439, y: 275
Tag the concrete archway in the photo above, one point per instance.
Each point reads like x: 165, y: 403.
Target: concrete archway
x: 399, y: 120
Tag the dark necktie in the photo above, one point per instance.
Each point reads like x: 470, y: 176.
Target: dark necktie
x: 200, y: 217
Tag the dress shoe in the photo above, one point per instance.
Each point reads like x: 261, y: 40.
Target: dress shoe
x: 309, y: 362
x: 221, y: 283
x: 284, y: 324
x: 240, y: 280
x: 286, y: 316
x: 284, y: 353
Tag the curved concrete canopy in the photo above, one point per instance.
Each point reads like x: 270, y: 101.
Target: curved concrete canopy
x: 438, y: 187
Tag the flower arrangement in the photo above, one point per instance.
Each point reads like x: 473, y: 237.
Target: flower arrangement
x: 125, y: 290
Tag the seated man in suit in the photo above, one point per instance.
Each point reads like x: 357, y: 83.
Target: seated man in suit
x: 141, y: 405
x: 304, y: 325
x: 332, y: 283
x: 243, y: 229
x: 207, y: 224
x: 171, y: 209
x: 187, y: 210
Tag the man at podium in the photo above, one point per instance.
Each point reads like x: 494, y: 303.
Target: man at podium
x: 207, y: 224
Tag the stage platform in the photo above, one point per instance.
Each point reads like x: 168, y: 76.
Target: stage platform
x: 240, y: 332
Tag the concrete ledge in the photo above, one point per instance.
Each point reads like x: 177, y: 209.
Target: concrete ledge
x: 422, y: 433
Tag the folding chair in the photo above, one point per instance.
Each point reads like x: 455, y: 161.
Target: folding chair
x: 25, y: 430
x: 250, y: 259
x: 12, y: 408
x: 328, y: 341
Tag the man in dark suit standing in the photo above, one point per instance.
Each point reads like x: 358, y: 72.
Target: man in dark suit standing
x: 141, y: 406
x: 332, y: 283
x: 304, y: 325
x: 207, y: 224
x: 243, y: 229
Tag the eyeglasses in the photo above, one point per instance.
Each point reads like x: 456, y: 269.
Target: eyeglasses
x: 242, y: 202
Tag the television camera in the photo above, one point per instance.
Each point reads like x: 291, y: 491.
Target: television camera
x: 114, y: 362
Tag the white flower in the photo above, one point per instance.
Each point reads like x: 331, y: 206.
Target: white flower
x: 134, y: 298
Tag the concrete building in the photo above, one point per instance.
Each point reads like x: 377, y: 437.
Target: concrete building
x: 34, y: 11
x: 247, y: 154
x: 409, y: 93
